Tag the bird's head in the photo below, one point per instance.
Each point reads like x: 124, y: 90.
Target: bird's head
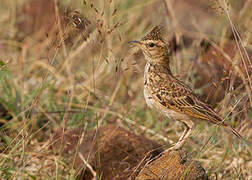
x: 154, y: 48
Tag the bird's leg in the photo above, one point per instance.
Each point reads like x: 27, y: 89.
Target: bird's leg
x: 184, y: 133
x: 187, y: 132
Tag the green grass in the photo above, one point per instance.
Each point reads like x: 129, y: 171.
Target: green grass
x: 56, y: 77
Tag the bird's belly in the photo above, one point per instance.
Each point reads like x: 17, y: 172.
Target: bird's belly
x: 148, y: 98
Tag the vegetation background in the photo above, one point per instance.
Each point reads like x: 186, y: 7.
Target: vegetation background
x: 66, y: 64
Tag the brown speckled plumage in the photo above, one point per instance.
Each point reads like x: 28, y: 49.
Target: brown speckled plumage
x: 168, y: 95
x: 155, y: 34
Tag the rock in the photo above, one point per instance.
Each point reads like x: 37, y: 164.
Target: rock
x: 173, y: 165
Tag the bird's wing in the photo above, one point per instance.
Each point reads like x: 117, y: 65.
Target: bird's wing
x: 180, y: 98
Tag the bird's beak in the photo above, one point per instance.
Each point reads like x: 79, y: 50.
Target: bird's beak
x: 133, y: 42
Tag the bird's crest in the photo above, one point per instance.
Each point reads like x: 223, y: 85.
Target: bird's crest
x: 155, y: 34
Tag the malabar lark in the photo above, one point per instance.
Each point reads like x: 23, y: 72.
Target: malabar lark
x: 168, y: 95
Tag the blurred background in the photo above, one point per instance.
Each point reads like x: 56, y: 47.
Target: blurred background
x: 67, y: 64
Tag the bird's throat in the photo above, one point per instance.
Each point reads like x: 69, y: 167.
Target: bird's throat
x: 159, y: 67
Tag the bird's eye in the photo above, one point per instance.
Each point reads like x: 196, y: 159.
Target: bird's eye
x: 151, y: 44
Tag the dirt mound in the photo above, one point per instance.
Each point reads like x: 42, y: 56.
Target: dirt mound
x: 112, y: 152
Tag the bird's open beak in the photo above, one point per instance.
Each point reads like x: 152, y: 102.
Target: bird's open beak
x: 134, y: 42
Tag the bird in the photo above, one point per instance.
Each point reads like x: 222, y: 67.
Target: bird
x: 167, y: 94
